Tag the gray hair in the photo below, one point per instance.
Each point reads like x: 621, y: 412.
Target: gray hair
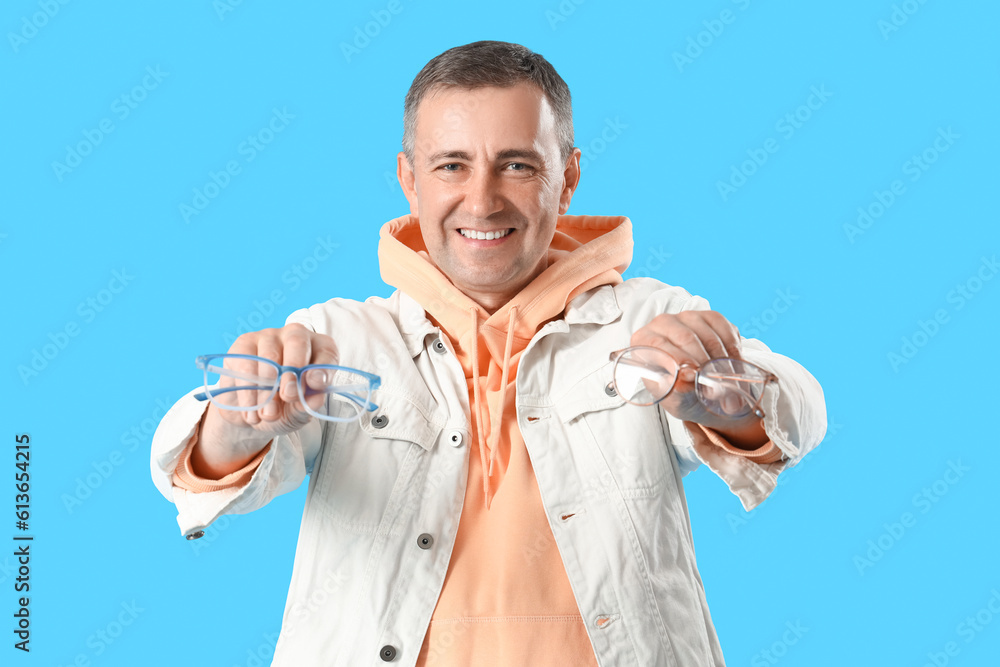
x: 489, y: 63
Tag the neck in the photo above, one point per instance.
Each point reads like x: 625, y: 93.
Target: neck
x: 494, y: 299
x: 491, y: 302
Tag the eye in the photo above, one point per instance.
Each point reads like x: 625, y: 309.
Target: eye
x: 446, y: 167
x: 519, y: 166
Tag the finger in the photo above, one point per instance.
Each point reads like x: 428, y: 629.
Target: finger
x: 296, y: 346
x: 653, y: 334
x: 727, y: 333
x: 269, y: 347
x: 296, y: 350
x: 243, y: 369
x: 709, y: 338
x: 657, y: 334
x: 683, y: 336
x: 315, y: 385
x: 245, y: 344
x: 685, y: 377
x: 732, y: 403
x: 324, y: 350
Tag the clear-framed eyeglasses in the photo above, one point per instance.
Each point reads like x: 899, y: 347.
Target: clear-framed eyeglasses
x: 247, y: 382
x: 730, y: 388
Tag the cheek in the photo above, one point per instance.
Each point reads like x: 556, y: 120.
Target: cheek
x: 434, y: 196
x: 547, y: 197
x: 528, y: 199
x: 433, y: 237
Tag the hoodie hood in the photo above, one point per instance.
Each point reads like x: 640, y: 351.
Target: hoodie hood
x: 585, y: 252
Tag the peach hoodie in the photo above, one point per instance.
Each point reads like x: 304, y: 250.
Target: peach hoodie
x: 506, y: 599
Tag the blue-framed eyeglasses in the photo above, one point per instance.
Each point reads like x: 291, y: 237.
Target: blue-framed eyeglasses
x: 247, y: 382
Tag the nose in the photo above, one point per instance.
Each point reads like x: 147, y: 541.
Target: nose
x: 482, y: 194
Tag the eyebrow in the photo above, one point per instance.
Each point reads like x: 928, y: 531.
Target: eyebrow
x: 506, y: 154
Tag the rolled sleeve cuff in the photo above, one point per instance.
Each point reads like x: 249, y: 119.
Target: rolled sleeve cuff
x: 766, y: 453
x: 172, y: 443
x: 749, y: 479
x: 185, y: 478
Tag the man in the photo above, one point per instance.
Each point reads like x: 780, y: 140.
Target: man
x: 504, y: 505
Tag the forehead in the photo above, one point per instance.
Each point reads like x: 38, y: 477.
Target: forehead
x: 460, y: 118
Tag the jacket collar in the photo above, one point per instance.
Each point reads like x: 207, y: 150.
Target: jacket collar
x: 414, y: 326
x: 597, y: 306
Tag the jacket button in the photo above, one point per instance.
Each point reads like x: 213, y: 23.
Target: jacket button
x: 387, y: 653
x: 195, y: 535
x: 425, y: 541
x: 439, y: 346
x: 455, y: 438
x: 610, y: 389
x: 380, y: 421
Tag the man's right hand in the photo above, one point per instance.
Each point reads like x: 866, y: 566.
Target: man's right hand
x: 229, y: 439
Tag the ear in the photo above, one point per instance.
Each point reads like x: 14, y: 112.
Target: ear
x: 407, y: 181
x: 571, y: 179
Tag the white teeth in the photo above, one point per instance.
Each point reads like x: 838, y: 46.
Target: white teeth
x: 483, y: 236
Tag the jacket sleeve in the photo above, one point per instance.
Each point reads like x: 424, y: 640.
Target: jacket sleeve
x: 795, y: 422
x: 280, y: 468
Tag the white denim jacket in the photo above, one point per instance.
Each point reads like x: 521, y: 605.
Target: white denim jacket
x: 366, y: 577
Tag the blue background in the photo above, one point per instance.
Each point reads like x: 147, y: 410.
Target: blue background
x: 784, y: 247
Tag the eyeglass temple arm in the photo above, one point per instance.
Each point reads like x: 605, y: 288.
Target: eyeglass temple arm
x: 639, y: 364
x: 344, y: 391
x: 203, y: 395
x: 357, y: 400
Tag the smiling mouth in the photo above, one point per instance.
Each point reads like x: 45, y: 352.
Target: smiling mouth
x: 484, y: 236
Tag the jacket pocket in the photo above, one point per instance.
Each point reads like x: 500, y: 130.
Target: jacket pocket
x: 627, y: 443
x: 366, y: 468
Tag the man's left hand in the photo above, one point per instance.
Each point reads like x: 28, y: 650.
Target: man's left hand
x: 694, y: 337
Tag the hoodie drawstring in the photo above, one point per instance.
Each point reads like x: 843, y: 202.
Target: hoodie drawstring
x: 497, y: 417
x: 475, y: 392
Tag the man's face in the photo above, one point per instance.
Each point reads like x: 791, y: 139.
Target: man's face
x: 487, y: 161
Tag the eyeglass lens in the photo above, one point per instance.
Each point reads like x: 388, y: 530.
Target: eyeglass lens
x: 726, y: 387
x: 243, y: 384
x: 730, y: 387
x: 645, y: 375
x: 248, y: 384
